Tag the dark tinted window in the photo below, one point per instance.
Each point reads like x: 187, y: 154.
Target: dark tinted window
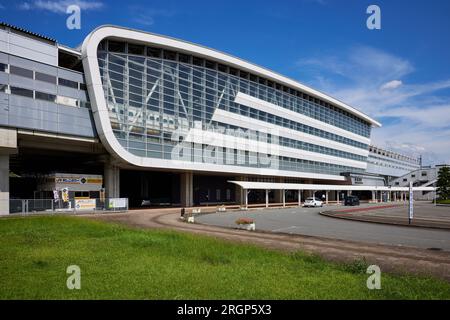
x: 83, y: 86
x: 21, y: 72
x: 45, y: 77
x: 154, y: 52
x: 68, y: 83
x: 45, y: 96
x: 2, y: 67
x: 115, y: 46
x: 22, y: 92
x: 3, y: 87
x: 170, y: 55
x: 184, y: 58
x: 135, y: 49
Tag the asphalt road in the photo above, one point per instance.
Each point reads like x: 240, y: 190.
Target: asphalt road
x: 308, y: 221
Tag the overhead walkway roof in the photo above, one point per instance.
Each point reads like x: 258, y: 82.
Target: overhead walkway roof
x: 249, y: 185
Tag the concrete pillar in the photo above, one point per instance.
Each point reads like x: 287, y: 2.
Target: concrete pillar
x: 187, y: 189
x: 388, y: 196
x: 326, y: 197
x: 8, y: 145
x: 284, y: 197
x: 111, y: 180
x: 246, y: 198
x: 299, y: 198
x: 373, y: 197
x: 267, y: 198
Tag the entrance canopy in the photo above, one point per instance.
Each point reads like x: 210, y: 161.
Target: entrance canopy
x: 249, y: 185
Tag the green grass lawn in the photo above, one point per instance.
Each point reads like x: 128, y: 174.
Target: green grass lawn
x: 443, y: 201
x: 119, y: 263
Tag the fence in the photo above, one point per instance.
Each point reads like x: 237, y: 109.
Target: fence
x: 29, y: 206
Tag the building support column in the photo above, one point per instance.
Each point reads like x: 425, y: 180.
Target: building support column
x: 284, y: 197
x: 187, y: 189
x: 299, y: 198
x: 111, y: 180
x: 8, y: 146
x: 267, y: 198
x: 246, y: 198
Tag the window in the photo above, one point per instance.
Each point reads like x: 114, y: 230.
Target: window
x: 115, y: 46
x: 3, y: 67
x: 135, y: 49
x: 170, y: 55
x: 45, y: 77
x: 424, y: 174
x: 45, y: 96
x: 3, y: 87
x: 184, y: 58
x: 197, y: 61
x: 404, y: 180
x: 218, y: 195
x: 413, y: 176
x: 21, y: 72
x: 22, y: 92
x: 83, y: 86
x: 153, y: 52
x: 68, y: 83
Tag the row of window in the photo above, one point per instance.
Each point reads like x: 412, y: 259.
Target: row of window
x: 229, y: 156
x: 34, y: 94
x: 410, y: 165
x: 393, y: 155
x: 198, y: 101
x: 36, y: 75
x: 247, y: 80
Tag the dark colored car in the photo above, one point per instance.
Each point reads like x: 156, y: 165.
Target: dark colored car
x: 351, y: 201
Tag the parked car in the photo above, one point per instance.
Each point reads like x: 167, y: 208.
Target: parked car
x: 313, y: 202
x: 351, y: 201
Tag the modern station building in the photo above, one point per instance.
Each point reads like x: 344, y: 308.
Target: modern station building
x: 164, y: 121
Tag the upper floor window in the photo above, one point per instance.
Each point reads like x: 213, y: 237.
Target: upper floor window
x: 68, y: 83
x: 22, y: 92
x: 21, y: 72
x: 45, y: 77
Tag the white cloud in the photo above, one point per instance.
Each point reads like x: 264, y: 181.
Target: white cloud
x: 416, y: 116
x: 60, y: 6
x: 391, y: 85
x: 146, y: 17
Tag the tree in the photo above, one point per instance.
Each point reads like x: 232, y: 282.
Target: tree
x: 443, y: 183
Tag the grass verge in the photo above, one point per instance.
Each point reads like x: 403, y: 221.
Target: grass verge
x: 118, y: 262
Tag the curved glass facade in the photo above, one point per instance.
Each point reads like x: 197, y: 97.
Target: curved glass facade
x: 152, y: 94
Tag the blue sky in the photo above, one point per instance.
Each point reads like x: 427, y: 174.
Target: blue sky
x: 400, y: 74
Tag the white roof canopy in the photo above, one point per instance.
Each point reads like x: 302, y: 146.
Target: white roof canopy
x: 249, y: 185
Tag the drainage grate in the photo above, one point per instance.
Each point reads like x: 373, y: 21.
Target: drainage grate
x: 435, y: 249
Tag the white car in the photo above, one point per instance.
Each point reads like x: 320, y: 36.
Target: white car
x: 313, y: 202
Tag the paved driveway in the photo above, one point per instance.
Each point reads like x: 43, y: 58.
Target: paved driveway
x: 308, y: 221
